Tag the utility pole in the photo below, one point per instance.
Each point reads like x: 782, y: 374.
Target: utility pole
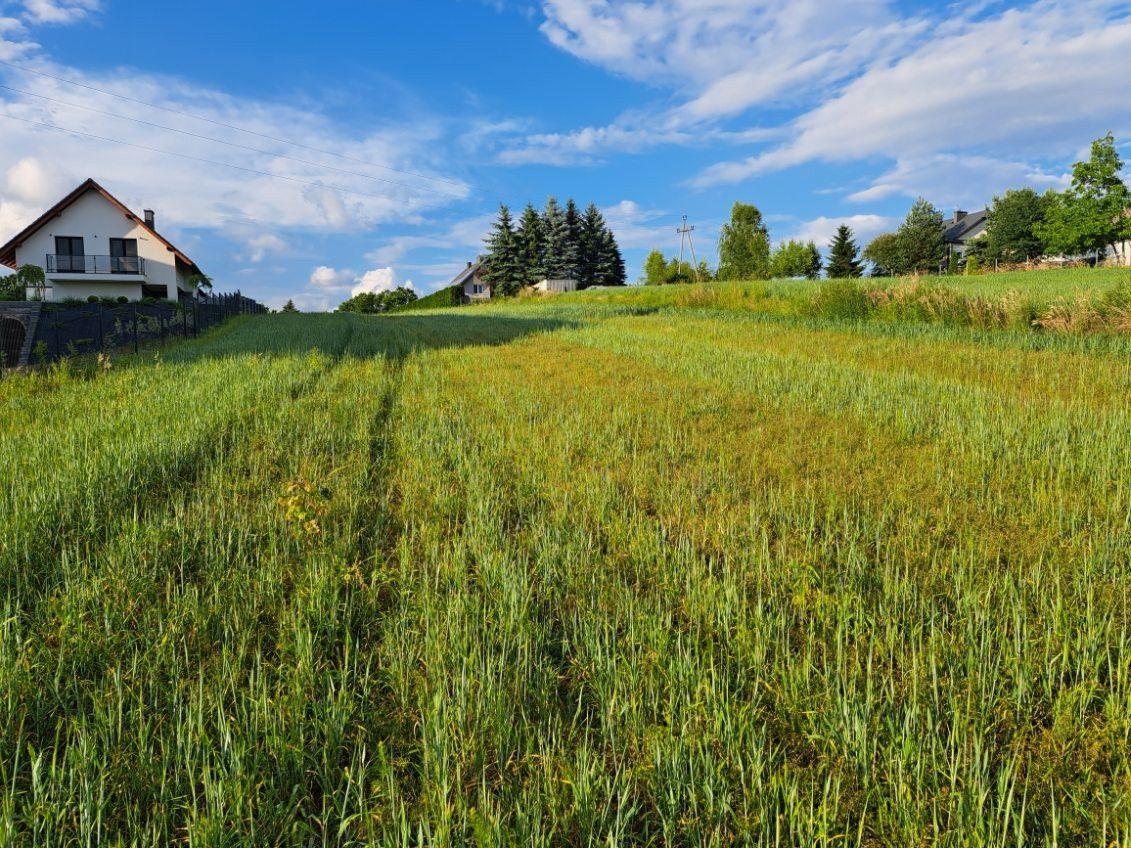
x: 685, y: 239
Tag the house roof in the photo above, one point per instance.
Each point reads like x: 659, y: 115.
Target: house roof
x: 467, y: 273
x: 956, y: 230
x: 8, y: 251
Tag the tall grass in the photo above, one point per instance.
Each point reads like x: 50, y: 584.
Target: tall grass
x: 571, y: 573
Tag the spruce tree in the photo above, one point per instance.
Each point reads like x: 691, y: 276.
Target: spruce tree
x: 593, y: 262
x: 503, y: 266
x: 532, y: 244
x: 612, y: 268
x: 574, y: 246
x: 289, y: 306
x: 814, y: 269
x: 559, y: 257
x: 844, y: 256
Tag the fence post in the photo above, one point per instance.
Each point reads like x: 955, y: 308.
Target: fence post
x: 136, y: 347
x: 101, y: 334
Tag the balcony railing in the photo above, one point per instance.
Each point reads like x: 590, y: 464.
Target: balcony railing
x: 59, y: 263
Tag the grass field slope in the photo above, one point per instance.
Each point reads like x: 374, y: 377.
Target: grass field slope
x: 583, y: 571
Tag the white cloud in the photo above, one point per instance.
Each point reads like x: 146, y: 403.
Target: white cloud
x: 324, y: 277
x: 952, y: 180
x: 821, y: 230
x: 1029, y: 80
x: 326, y: 284
x: 36, y: 182
x: 637, y: 227
x: 379, y: 280
x: 59, y: 11
x: 192, y: 193
x: 263, y: 245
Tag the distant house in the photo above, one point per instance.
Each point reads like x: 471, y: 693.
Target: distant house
x: 556, y: 286
x: 962, y: 229
x: 470, y: 280
x: 90, y: 244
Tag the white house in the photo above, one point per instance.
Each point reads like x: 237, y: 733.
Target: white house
x: 89, y: 243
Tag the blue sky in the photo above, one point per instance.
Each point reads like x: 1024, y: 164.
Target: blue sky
x: 357, y: 145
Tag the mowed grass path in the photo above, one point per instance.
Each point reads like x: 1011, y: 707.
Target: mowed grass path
x: 559, y: 574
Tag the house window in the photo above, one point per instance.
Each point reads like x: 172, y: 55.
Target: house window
x: 477, y: 288
x: 69, y: 254
x: 123, y: 256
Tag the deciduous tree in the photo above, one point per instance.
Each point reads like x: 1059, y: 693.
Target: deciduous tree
x: 885, y: 255
x: 796, y: 259
x: 922, y: 246
x: 1012, y: 226
x: 744, y: 245
x: 1093, y: 214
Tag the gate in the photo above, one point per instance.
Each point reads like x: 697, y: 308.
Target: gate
x: 12, y: 335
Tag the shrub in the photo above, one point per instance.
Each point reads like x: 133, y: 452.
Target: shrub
x: 972, y: 266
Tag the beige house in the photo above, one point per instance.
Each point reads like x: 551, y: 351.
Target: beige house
x: 90, y: 244
x: 471, y: 281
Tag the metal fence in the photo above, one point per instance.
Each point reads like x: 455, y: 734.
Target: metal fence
x: 37, y: 333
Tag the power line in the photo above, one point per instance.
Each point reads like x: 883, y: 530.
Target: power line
x: 225, y: 125
x: 298, y: 180
x: 222, y: 141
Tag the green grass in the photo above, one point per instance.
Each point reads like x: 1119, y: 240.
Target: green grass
x: 571, y: 572
x: 1042, y: 286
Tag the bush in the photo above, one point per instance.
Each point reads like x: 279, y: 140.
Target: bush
x: 972, y: 266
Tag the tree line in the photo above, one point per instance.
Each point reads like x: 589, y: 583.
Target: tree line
x: 558, y: 243
x: 1089, y: 219
x: 745, y: 254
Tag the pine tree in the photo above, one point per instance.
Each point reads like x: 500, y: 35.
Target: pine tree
x: 844, y: 256
x: 504, y: 269
x: 559, y: 258
x: 532, y: 244
x: 289, y: 306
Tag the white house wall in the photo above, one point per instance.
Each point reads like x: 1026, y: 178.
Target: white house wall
x: 97, y: 221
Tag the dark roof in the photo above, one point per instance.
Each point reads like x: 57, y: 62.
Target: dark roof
x: 8, y: 251
x: 467, y: 273
x: 956, y: 229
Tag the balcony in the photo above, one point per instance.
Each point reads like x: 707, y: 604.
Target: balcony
x: 131, y: 266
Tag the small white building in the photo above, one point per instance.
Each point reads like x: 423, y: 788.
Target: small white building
x: 556, y: 286
x: 90, y: 244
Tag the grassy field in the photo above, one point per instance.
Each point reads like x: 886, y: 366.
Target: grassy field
x: 571, y: 572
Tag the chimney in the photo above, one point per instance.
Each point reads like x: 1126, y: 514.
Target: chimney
x: 959, y: 214
x: 149, y: 218
x: 468, y: 264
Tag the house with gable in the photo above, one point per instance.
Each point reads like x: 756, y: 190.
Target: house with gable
x: 90, y: 244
